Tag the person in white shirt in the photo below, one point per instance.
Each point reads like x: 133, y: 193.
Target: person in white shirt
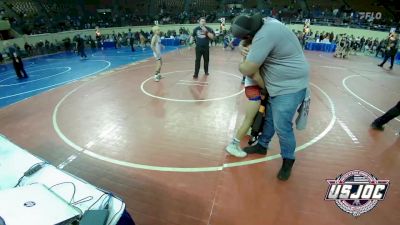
x: 253, y: 93
x: 156, y: 47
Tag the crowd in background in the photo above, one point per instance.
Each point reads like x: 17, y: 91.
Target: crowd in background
x: 356, y: 44
x: 68, y: 44
x: 55, y: 20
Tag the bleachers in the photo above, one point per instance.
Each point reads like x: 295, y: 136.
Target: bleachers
x: 207, y: 5
x: 23, y: 7
x: 284, y: 3
x: 171, y: 5
x: 368, y: 6
x: 327, y: 4
x: 59, y: 9
x: 51, y: 7
x: 250, y: 4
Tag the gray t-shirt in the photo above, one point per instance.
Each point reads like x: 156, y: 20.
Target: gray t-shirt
x: 284, y: 67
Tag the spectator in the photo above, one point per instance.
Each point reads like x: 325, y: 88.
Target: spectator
x: 275, y: 51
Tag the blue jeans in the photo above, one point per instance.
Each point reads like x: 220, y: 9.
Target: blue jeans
x: 279, y: 117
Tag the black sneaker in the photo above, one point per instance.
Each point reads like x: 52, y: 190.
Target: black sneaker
x: 207, y: 74
x: 390, y: 68
x: 377, y: 127
x: 286, y: 169
x: 195, y: 76
x: 256, y: 149
x: 380, y: 65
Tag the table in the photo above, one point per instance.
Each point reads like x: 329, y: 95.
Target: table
x: 14, y: 161
x: 109, y: 44
x: 170, y: 41
x: 325, y: 47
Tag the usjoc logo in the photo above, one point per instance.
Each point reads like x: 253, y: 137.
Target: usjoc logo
x: 356, y: 192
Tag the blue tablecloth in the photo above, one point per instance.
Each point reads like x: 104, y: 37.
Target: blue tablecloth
x: 171, y: 41
x: 325, y: 47
x: 236, y: 42
x: 109, y: 44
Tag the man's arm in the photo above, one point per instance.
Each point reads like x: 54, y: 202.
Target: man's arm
x: 248, y: 68
x: 210, y: 33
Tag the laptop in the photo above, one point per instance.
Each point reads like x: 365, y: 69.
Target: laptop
x: 35, y: 205
x: 94, y: 217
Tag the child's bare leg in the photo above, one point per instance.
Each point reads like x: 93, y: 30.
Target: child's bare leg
x: 157, y: 75
x: 251, y: 112
x: 158, y: 66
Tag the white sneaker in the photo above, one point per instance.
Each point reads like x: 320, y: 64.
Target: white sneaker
x: 157, y: 77
x: 249, y: 132
x: 235, y: 150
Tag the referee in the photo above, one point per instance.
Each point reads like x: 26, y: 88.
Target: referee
x: 202, y: 35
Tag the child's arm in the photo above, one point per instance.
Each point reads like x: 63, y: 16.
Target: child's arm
x: 153, y: 43
x: 259, y: 80
x: 245, y: 43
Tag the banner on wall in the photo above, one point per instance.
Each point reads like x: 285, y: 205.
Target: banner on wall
x: 393, y: 29
x: 156, y: 22
x: 370, y: 15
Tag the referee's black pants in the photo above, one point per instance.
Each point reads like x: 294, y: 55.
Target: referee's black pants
x: 202, y: 51
x: 388, y: 116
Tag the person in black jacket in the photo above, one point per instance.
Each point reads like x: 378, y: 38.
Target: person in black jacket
x: 18, y: 66
x: 80, y: 47
x: 391, y: 50
x: 202, y: 35
x: 385, y: 118
x: 2, y: 67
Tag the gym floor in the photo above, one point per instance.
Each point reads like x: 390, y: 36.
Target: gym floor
x: 160, y: 145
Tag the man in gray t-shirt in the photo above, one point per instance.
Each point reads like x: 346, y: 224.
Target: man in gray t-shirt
x: 277, y: 53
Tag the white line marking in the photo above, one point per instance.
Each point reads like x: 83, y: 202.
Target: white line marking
x: 60, y: 59
x: 334, y: 67
x: 358, y: 97
x: 190, y: 100
x: 106, y: 132
x: 193, y: 81
x: 192, y: 84
x: 186, y: 169
x: 212, y: 207
x: 89, y: 144
x: 27, y: 82
x: 348, y: 131
x: 67, y: 161
x: 64, y: 82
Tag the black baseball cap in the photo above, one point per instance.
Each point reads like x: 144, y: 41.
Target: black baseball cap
x: 245, y: 25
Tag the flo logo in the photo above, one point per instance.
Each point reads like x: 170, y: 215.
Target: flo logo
x: 356, y: 192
